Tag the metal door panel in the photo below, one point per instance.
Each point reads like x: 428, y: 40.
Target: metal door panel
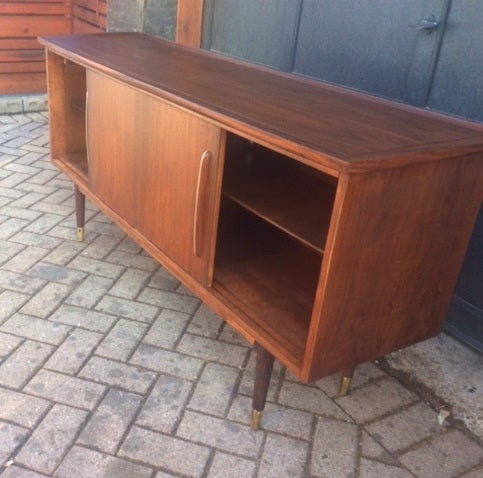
x: 370, y: 45
x: 458, y: 82
x: 261, y: 32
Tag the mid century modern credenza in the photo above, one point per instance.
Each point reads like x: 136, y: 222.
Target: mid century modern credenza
x: 326, y: 226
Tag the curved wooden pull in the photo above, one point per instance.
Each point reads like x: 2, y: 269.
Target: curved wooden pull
x: 201, y: 192
x: 87, y: 126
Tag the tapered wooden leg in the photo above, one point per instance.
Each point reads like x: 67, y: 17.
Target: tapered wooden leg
x: 80, y: 212
x: 345, y: 381
x: 263, y: 374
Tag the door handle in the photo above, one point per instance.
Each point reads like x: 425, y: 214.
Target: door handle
x: 87, y: 126
x: 201, y: 191
x: 429, y: 24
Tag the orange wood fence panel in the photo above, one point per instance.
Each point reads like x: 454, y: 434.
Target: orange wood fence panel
x: 89, y: 16
x: 22, y: 60
x: 22, y: 65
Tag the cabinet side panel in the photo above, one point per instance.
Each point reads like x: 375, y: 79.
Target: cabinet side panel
x: 393, y: 261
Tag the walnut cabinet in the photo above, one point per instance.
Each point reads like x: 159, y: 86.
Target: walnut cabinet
x: 326, y: 226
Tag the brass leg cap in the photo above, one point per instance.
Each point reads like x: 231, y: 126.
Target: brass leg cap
x: 256, y: 419
x: 345, y: 384
x: 80, y: 234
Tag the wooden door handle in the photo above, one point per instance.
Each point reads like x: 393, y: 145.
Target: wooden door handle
x: 87, y: 126
x: 201, y: 192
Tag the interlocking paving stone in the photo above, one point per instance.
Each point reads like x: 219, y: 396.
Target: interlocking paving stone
x: 93, y: 464
x: 229, y: 466
x: 310, y: 399
x: 20, y: 282
x: 370, y: 469
x: 334, y: 449
x: 100, y: 247
x: 74, y: 351
x: 165, y: 451
x: 127, y: 308
x: 51, y: 439
x: 221, y: 434
x: 10, y: 438
x: 11, y: 227
x: 39, y: 240
x: 94, y: 266
x: 375, y: 399
x: 214, y: 390
x: 90, y: 291
x: 122, y: 339
x: 165, y: 404
x: 46, y: 300
x: 24, y: 260
x: 64, y: 389
x: 163, y: 280
x: 8, y: 343
x: 57, y: 273
x: 117, y: 374
x: 166, y: 330
x: 276, y: 418
x: 168, y: 362
x: 108, y: 424
x: 444, y: 456
x: 370, y: 448
x: 18, y: 472
x: 84, y: 318
x: 130, y: 283
x: 44, y: 223
x: 406, y: 427
x: 205, y: 322
x: 21, y: 408
x: 209, y: 349
x: 138, y: 261
x: 36, y: 329
x: 64, y: 253
x: 23, y: 363
x: 10, y: 302
x: 169, y: 300
x: 283, y: 456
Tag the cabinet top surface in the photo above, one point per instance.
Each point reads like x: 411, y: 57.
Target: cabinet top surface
x: 338, y: 128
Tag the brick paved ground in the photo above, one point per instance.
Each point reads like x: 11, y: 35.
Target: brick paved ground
x: 109, y: 367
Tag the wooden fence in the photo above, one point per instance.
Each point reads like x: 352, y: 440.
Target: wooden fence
x: 22, y: 65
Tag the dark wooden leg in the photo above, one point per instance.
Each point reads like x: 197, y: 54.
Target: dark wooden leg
x: 263, y: 375
x: 345, y: 381
x: 80, y: 212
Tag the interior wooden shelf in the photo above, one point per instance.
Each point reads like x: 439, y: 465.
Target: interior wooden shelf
x: 284, y: 194
x: 267, y: 276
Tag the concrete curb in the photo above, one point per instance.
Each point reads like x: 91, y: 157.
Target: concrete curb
x: 11, y: 104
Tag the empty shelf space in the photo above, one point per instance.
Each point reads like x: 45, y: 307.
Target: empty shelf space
x: 267, y: 276
x: 293, y: 197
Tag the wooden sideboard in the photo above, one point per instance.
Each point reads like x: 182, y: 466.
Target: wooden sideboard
x: 328, y: 227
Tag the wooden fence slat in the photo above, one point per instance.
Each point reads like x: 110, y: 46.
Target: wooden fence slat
x: 88, y: 16
x: 96, y: 5
x: 23, y: 67
x: 19, y: 44
x: 79, y: 26
x: 23, y: 83
x: 35, y: 9
x: 32, y: 26
x: 21, y: 55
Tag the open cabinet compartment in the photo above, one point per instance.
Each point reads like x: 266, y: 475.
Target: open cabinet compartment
x: 68, y: 121
x: 273, y: 225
